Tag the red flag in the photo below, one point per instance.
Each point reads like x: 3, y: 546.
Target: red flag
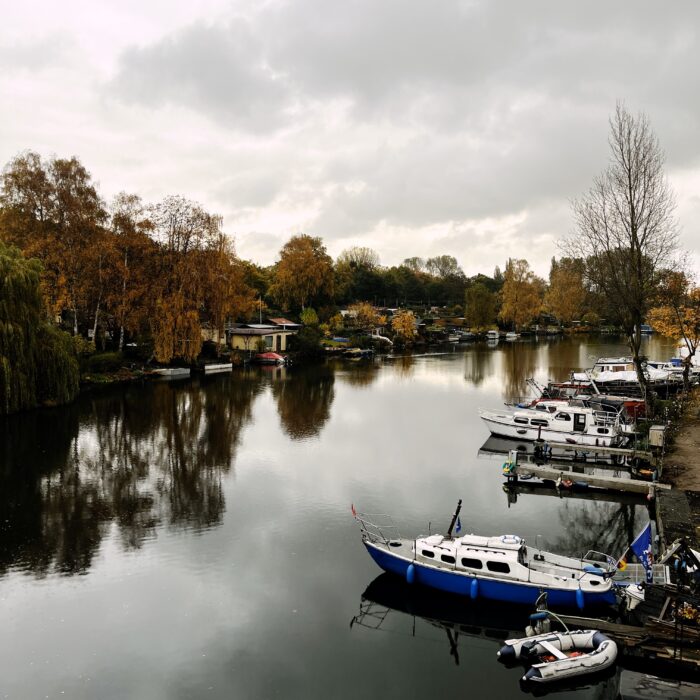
x: 352, y: 508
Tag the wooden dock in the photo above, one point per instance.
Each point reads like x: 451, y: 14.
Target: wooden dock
x: 561, y: 475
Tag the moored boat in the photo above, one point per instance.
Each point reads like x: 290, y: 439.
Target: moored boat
x: 494, y: 568
x: 555, y: 656
x: 576, y: 425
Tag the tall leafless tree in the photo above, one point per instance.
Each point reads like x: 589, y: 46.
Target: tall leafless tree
x: 626, y: 231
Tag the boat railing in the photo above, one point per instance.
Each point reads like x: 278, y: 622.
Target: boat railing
x: 607, y: 418
x: 600, y: 559
x: 378, y: 527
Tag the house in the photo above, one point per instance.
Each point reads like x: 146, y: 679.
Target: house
x: 247, y: 336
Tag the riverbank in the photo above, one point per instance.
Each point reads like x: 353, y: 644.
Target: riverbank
x: 682, y: 461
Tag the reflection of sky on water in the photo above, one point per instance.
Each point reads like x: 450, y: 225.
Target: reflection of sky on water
x: 209, y: 522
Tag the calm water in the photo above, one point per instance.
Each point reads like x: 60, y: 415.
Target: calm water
x: 194, y: 539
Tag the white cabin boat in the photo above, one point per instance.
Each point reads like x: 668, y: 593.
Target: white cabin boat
x: 557, y: 422
x: 493, y: 335
x: 512, y: 336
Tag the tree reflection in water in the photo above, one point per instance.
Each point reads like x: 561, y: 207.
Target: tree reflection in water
x: 304, y: 400
x: 605, y: 527
x: 360, y: 374
x: 138, y: 457
x: 519, y: 364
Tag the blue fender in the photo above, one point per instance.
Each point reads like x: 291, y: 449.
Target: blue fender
x: 474, y: 589
x: 410, y: 573
x: 580, y: 599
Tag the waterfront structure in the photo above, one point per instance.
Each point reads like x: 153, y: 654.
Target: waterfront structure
x: 247, y: 336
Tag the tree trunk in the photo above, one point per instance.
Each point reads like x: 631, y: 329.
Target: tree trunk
x: 97, y: 316
x: 121, y: 337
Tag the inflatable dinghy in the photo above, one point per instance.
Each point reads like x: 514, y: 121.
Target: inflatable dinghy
x: 561, y: 655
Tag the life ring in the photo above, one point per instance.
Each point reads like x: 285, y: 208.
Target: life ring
x: 510, y: 539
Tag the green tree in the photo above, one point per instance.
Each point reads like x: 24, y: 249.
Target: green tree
x: 479, y: 306
x: 37, y: 362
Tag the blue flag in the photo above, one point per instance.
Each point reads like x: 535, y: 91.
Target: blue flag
x: 458, y: 529
x: 642, y: 549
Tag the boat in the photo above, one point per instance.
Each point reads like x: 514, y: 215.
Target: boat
x: 269, y: 358
x: 453, y: 337
x: 501, y: 568
x: 512, y: 336
x: 493, y: 335
x: 576, y: 425
x: 561, y: 655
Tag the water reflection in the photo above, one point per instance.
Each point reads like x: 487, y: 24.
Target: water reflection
x: 461, y: 622
x: 304, y: 400
x: 359, y: 374
x: 139, y: 458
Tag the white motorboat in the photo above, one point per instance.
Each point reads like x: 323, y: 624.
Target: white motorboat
x: 557, y: 422
x: 493, y: 335
x: 561, y: 655
x: 512, y: 336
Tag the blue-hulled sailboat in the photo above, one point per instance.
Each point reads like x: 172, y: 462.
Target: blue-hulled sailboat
x: 494, y: 568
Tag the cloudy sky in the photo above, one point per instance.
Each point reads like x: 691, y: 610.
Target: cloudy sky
x: 415, y: 128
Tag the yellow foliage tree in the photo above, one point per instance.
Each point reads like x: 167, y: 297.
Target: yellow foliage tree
x: 679, y: 318
x: 566, y: 293
x: 521, y: 294
x: 304, y: 272
x: 404, y: 326
x: 365, y: 315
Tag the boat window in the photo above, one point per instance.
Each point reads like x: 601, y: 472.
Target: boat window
x: 541, y: 407
x: 562, y: 416
x: 472, y: 563
x: 539, y: 421
x: 522, y: 421
x: 552, y: 409
x: 603, y: 431
x: 447, y: 558
x: 499, y: 567
x: 428, y: 553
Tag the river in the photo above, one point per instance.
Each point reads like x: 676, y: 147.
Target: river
x: 194, y: 539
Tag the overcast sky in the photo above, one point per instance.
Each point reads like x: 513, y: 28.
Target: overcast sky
x: 415, y: 128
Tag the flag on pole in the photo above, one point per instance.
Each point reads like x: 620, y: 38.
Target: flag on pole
x: 642, y: 548
x: 622, y: 562
x: 458, y: 527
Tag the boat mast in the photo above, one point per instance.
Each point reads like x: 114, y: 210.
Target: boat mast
x: 454, y: 518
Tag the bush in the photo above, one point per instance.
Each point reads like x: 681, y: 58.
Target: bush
x: 307, y: 342
x: 104, y: 362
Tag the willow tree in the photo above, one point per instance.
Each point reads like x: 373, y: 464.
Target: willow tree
x: 625, y: 227
x: 37, y: 362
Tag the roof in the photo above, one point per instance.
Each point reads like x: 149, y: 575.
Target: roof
x: 266, y: 330
x: 283, y: 322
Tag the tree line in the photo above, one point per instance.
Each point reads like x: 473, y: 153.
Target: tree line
x: 158, y: 274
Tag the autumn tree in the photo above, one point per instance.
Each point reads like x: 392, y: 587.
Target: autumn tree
x: 404, y: 326
x: 566, y: 294
x: 626, y: 231
x: 131, y: 258
x: 52, y: 211
x: 359, y: 256
x: 678, y: 317
x: 185, y: 234
x: 443, y: 266
x: 479, y: 306
x: 365, y: 315
x: 304, y: 272
x: 521, y: 294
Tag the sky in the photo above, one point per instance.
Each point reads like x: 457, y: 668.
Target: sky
x: 414, y: 128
